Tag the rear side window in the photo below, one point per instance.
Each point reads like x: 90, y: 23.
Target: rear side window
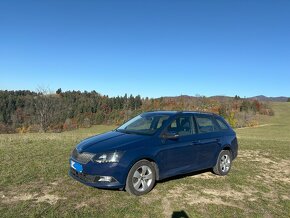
x: 206, y: 124
x: 222, y: 124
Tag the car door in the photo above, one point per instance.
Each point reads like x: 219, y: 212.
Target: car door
x: 178, y: 155
x: 208, y: 141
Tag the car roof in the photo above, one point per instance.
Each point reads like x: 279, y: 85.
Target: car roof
x: 178, y: 112
x: 161, y: 112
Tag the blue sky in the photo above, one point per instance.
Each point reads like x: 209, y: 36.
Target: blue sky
x: 152, y: 48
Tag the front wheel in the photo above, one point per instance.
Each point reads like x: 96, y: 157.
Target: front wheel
x: 224, y: 163
x: 141, y: 178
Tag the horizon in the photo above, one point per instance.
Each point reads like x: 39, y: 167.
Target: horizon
x: 152, y: 49
x: 128, y: 94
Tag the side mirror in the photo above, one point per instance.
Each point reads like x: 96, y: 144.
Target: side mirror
x: 170, y: 135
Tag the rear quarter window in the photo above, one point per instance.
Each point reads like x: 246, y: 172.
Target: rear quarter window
x: 222, y: 124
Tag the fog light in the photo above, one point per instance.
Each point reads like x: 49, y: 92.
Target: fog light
x: 105, y: 179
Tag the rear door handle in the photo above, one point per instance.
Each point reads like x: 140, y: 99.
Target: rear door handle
x: 206, y: 141
x: 195, y: 142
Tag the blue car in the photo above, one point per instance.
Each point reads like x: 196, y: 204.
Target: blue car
x: 154, y: 146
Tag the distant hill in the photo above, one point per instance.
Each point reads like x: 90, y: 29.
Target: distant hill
x: 265, y: 98
x: 225, y: 98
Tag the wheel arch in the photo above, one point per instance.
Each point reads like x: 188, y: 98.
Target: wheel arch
x: 228, y: 148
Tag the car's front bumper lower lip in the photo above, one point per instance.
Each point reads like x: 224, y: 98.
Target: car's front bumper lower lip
x: 94, y: 180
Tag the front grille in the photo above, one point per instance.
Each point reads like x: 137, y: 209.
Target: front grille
x: 82, y: 157
x: 82, y: 176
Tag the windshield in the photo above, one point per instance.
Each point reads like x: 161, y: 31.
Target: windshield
x: 145, y: 124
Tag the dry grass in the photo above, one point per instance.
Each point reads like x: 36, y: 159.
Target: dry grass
x: 34, y: 180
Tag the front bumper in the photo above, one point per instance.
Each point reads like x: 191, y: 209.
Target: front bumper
x: 92, y: 172
x: 92, y: 180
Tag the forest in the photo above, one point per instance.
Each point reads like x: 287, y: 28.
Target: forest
x: 45, y: 111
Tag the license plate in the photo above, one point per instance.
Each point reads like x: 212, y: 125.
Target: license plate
x: 78, y: 167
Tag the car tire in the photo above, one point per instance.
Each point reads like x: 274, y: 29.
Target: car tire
x: 223, y: 164
x: 141, y: 178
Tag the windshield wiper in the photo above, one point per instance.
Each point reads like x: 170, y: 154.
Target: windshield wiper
x: 124, y: 131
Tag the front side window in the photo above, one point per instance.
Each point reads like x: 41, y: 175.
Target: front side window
x: 144, y: 124
x: 181, y: 126
x: 205, y: 123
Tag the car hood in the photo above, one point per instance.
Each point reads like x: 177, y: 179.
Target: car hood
x: 108, y: 141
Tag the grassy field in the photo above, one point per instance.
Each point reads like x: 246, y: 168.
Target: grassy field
x: 34, y: 180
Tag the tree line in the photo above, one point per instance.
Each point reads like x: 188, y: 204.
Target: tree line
x: 28, y: 111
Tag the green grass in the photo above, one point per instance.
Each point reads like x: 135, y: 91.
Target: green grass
x: 34, y: 180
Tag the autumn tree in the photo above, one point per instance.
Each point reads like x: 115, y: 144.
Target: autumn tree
x: 56, y: 111
x: 45, y: 106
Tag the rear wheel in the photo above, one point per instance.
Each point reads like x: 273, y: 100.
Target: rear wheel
x: 141, y: 178
x: 224, y: 163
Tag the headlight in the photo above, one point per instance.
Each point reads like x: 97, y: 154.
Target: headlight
x: 113, y: 157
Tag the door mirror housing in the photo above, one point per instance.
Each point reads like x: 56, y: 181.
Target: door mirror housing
x: 170, y: 135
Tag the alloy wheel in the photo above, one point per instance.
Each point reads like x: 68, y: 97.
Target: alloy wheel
x: 142, y: 178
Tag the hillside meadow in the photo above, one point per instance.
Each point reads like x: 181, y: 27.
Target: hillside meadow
x: 34, y: 179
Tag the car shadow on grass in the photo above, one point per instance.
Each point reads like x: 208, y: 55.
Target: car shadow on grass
x: 185, y: 175
x: 161, y: 181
